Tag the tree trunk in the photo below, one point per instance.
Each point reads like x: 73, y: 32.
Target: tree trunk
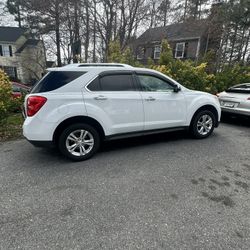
x: 86, y: 44
x: 57, y: 22
x: 94, y: 34
x: 233, y: 44
x: 185, y: 10
x: 19, y: 15
x: 165, y: 14
x: 76, y: 31
x: 246, y: 47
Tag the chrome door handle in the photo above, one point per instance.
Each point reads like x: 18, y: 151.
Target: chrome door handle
x: 100, y: 97
x: 150, y: 98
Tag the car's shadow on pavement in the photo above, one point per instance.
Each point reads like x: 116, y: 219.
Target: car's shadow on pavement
x: 116, y: 145
x: 143, y: 141
x: 237, y: 120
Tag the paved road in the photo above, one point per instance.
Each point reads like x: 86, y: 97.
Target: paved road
x: 156, y: 192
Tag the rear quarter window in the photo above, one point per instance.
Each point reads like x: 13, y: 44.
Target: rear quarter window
x: 56, y: 79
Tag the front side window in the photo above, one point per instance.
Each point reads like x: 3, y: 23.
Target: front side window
x: 55, y: 79
x: 155, y: 84
x: 179, y: 50
x: 157, y: 52
x: 117, y: 83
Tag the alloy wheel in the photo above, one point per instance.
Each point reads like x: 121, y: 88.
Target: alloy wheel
x: 80, y: 142
x: 204, y: 124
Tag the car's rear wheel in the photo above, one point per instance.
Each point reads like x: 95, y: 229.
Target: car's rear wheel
x: 79, y: 142
x: 202, y: 124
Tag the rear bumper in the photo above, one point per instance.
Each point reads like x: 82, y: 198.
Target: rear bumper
x: 42, y: 144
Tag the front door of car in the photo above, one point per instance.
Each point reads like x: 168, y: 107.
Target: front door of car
x: 163, y: 107
x: 113, y: 99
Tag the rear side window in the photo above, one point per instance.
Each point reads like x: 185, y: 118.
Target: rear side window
x: 117, y: 83
x: 55, y: 79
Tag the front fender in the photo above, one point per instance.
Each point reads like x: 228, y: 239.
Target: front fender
x: 199, y: 101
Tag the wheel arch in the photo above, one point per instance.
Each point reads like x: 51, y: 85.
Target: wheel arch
x: 78, y: 119
x: 209, y: 108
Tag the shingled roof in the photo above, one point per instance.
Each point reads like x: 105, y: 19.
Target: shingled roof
x: 11, y: 34
x: 175, y: 31
x: 31, y: 42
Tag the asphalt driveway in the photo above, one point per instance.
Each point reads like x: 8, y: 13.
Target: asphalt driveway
x: 156, y: 192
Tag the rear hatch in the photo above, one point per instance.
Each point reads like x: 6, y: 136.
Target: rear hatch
x: 236, y: 97
x: 51, y: 81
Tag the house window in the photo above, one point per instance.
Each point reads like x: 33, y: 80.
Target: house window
x: 157, y: 52
x: 179, y: 50
x: 10, y: 71
x: 140, y: 53
x: 5, y: 50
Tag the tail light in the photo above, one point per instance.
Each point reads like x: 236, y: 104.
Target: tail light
x: 34, y: 104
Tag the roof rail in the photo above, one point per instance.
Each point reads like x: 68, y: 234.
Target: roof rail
x: 98, y: 65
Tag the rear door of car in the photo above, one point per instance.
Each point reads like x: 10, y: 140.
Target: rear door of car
x: 113, y: 99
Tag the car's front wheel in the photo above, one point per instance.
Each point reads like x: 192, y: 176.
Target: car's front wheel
x: 79, y: 142
x: 202, y: 124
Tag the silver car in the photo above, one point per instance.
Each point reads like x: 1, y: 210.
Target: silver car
x: 236, y: 99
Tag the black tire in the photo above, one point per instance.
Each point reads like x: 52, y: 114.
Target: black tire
x: 77, y: 128
x: 194, y: 127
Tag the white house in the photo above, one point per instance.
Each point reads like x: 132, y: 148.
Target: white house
x: 21, y: 56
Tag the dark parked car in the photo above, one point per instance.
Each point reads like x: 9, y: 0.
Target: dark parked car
x: 19, y: 89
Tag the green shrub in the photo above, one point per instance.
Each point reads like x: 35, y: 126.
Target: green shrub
x: 188, y: 73
x: 16, y: 103
x: 196, y: 76
x: 230, y: 76
x: 5, y: 96
x: 117, y: 55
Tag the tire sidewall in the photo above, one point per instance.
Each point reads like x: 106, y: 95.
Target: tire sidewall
x: 70, y: 129
x: 193, y: 127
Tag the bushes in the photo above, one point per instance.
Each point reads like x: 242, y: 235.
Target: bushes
x: 187, y: 73
x: 7, y: 102
x: 5, y: 96
x: 196, y: 77
x: 193, y: 77
x: 231, y: 76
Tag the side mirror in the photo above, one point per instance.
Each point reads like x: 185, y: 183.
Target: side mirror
x: 177, y: 88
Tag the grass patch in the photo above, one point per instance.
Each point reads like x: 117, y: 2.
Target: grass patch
x: 12, y: 127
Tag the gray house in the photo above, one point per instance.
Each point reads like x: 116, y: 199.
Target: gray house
x: 21, y: 56
x: 188, y: 40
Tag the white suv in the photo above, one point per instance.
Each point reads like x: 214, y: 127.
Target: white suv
x: 77, y: 106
